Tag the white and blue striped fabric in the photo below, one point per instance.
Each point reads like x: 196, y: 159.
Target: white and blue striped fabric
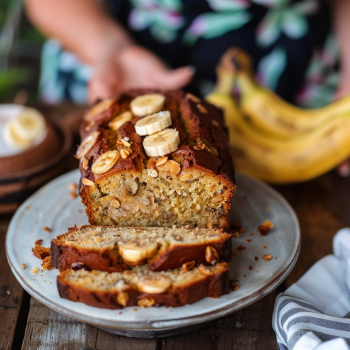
x: 314, y: 313
x: 293, y: 318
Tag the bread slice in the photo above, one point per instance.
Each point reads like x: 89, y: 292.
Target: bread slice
x: 193, y: 187
x: 112, y: 249
x: 142, y: 287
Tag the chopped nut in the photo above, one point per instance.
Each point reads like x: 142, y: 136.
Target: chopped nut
x: 119, y: 142
x: 265, y: 227
x: 88, y: 182
x: 152, y: 172
x: 204, y: 270
x: 115, y: 203
x: 208, y: 146
x: 250, y: 267
x: 35, y: 270
x: 73, y: 186
x: 215, y: 123
x: 170, y: 166
x: 23, y: 266
x: 151, y: 164
x: 161, y: 160
x: 85, y: 164
x: 193, y: 97
x: 73, y: 195
x: 89, y: 126
x: 267, y: 257
x: 198, y: 148
x: 125, y: 143
x: 202, y: 109
x: 125, y: 153
x: 188, y: 266
x: 146, y: 301
x: 123, y: 298
x: 211, y: 254
x: 185, y: 177
x: 47, y: 229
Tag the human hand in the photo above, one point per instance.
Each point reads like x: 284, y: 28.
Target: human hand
x: 131, y: 68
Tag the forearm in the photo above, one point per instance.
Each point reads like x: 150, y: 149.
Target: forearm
x: 82, y: 26
x: 341, y: 20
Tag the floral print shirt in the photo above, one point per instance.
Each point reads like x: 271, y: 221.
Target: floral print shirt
x: 293, y: 50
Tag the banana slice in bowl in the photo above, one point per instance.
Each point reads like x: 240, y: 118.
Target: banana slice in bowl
x: 23, y: 129
x: 147, y: 104
x: 153, y: 123
x: 161, y: 143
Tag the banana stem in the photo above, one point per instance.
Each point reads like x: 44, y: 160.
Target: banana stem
x: 225, y: 81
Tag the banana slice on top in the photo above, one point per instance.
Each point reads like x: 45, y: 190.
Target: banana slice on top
x: 147, y: 104
x: 161, y: 143
x: 99, y: 108
x: 105, y: 162
x: 134, y: 252
x: 119, y: 120
x: 153, y: 123
x: 87, y: 144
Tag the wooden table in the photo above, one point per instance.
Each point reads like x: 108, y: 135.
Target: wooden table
x: 322, y: 206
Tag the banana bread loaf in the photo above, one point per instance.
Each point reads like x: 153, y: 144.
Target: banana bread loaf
x: 142, y: 287
x: 171, y: 168
x: 110, y: 248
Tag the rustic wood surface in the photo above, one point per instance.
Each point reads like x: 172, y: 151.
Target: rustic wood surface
x: 322, y: 206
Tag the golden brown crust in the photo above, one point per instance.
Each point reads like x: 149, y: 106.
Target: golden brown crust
x: 63, y: 255
x: 191, y: 122
x: 214, y: 286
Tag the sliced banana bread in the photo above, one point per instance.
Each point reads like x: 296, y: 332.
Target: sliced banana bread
x: 175, y: 168
x: 142, y: 287
x: 111, y: 248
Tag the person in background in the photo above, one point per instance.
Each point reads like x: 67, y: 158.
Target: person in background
x: 300, y: 48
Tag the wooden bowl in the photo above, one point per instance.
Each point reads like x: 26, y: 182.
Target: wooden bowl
x: 22, y: 173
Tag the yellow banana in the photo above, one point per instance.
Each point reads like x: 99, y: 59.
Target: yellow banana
x: 276, y: 117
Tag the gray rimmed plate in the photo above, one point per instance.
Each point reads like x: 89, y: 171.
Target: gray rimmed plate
x: 253, y: 203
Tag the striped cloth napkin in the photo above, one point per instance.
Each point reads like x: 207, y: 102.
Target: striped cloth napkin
x: 314, y: 313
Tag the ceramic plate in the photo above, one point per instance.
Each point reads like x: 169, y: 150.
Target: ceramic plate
x: 253, y: 203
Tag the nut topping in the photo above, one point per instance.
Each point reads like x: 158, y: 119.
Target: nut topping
x: 267, y: 257
x: 188, y: 266
x: 211, y: 255
x: 125, y: 153
x: 85, y: 164
x: 125, y: 143
x: 105, y: 162
x: 88, y: 182
x: 146, y: 301
x: 207, y: 145
x: 185, y: 177
x: 151, y: 164
x: 202, y: 109
x: 204, y: 270
x: 161, y: 160
x: 123, y: 298
x: 215, y: 123
x: 193, y: 97
x: 154, y: 284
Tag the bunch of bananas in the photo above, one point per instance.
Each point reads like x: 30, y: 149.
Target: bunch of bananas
x: 271, y: 139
